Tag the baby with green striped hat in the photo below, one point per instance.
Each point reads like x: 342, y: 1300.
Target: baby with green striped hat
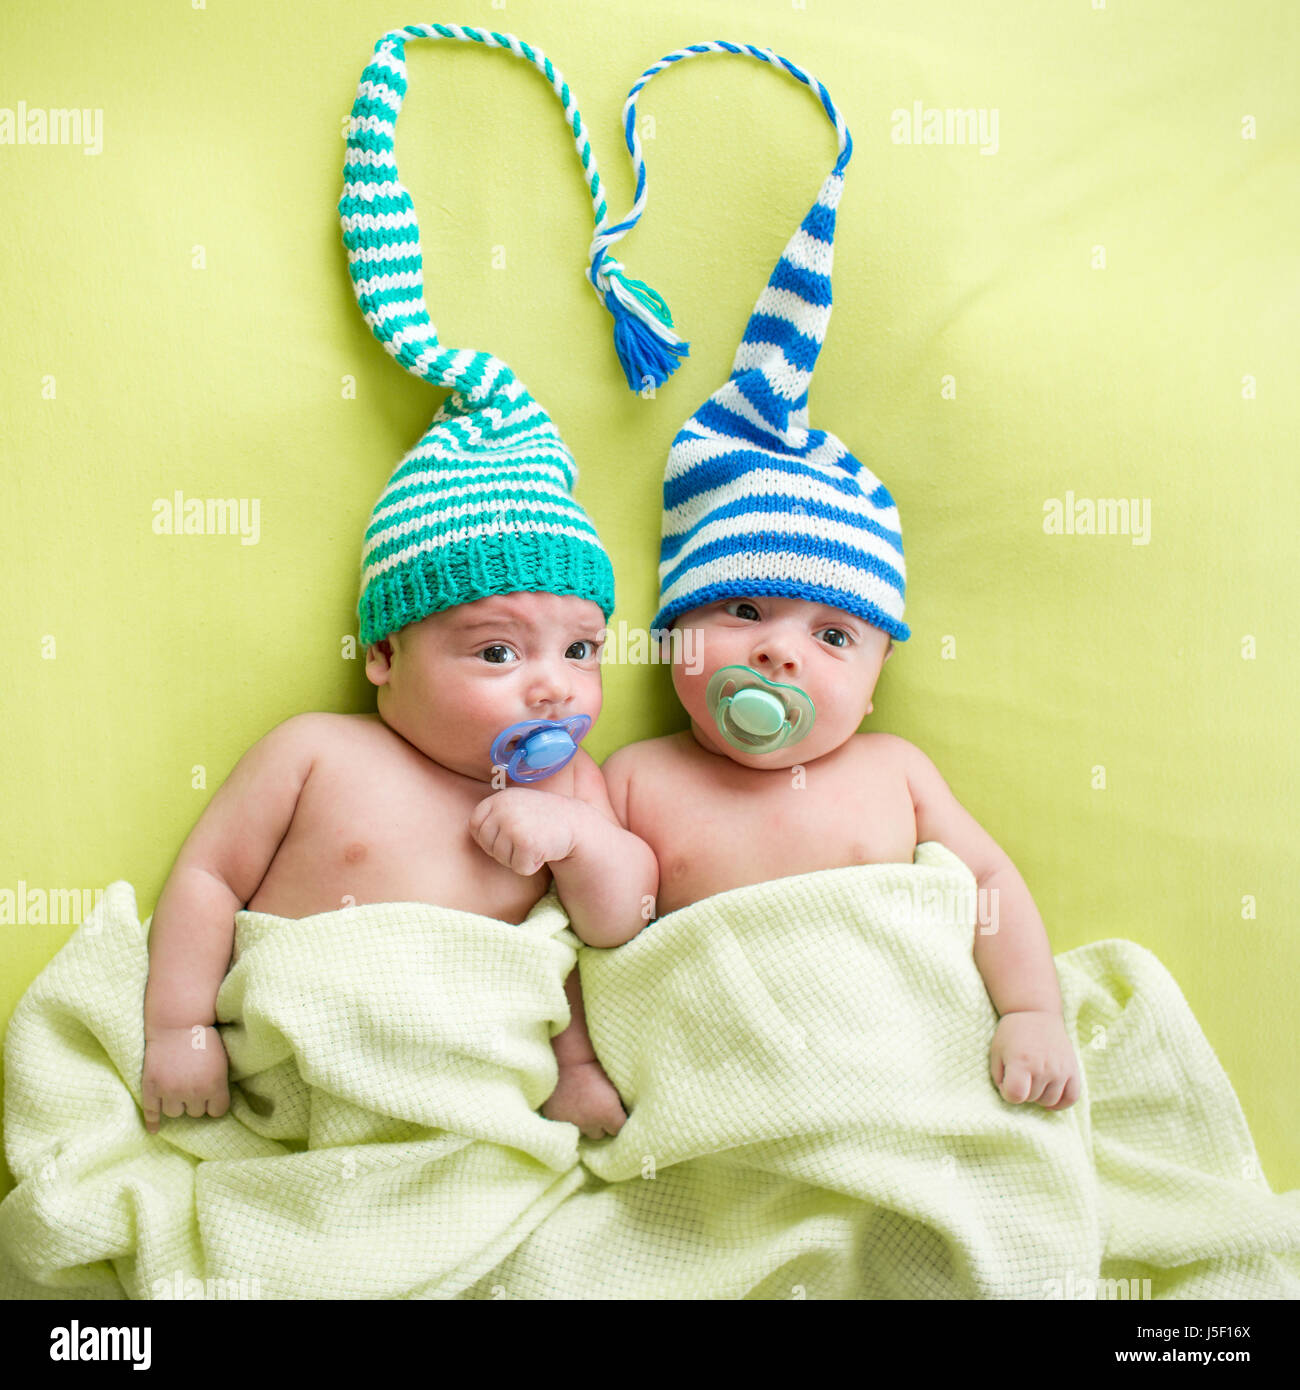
x: 484, y: 597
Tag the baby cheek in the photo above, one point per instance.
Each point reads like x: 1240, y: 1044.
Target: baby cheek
x: 840, y: 706
x: 592, y: 691
x: 690, y: 686
x: 468, y: 702
x: 722, y: 646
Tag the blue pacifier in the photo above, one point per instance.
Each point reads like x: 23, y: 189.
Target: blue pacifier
x: 755, y: 714
x: 536, y: 748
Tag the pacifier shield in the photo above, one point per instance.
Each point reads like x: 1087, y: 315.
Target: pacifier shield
x: 538, y: 748
x: 755, y: 714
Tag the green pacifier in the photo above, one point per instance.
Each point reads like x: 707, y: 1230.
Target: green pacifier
x: 755, y: 714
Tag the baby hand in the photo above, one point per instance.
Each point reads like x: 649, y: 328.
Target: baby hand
x: 180, y: 1077
x: 586, y: 1097
x: 523, y: 828
x: 1031, y: 1059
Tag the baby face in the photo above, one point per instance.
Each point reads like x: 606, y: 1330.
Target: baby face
x: 831, y: 655
x: 451, y: 683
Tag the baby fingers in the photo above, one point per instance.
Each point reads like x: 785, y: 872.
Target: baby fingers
x: 523, y: 859
x: 486, y: 834
x: 1069, y: 1094
x: 492, y: 838
x: 1015, y: 1082
x: 1051, y: 1092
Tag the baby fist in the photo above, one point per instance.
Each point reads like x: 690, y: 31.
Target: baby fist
x: 1031, y: 1059
x: 523, y: 828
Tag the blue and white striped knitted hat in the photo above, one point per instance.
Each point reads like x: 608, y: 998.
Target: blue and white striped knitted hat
x: 484, y: 502
x: 755, y: 500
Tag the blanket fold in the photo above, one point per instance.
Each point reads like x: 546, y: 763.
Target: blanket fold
x: 386, y: 1062
x: 811, y: 1114
x: 805, y: 1066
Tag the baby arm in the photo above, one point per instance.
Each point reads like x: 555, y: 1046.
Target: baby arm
x: 217, y: 871
x: 1031, y: 1058
x: 605, y: 876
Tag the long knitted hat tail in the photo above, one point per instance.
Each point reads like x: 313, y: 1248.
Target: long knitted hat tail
x: 483, y: 504
x: 806, y: 277
x: 755, y: 500
x: 383, y: 236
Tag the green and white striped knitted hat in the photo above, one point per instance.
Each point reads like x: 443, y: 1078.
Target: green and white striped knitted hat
x: 484, y: 502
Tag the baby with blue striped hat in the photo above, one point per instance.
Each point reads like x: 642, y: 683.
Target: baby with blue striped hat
x: 782, y: 556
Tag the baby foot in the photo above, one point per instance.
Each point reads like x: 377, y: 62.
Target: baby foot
x: 586, y: 1097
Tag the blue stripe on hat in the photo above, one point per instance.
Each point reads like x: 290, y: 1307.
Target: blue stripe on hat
x: 784, y: 588
x: 810, y: 285
x: 772, y: 542
x: 880, y: 497
x: 767, y: 502
x: 715, y: 415
x: 799, y: 349
x: 389, y: 265
x: 709, y: 474
x: 820, y: 223
x: 803, y: 284
x: 357, y: 171
x: 775, y: 408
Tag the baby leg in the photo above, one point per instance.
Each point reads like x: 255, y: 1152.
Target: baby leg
x: 583, y: 1094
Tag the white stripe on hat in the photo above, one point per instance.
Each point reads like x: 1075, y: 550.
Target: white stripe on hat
x: 810, y: 253
x: 793, y: 568
x: 704, y: 443
x: 452, y: 499
x: 465, y: 533
x: 783, y: 523
x: 809, y: 319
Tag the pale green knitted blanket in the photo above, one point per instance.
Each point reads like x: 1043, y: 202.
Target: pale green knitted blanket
x: 805, y: 1065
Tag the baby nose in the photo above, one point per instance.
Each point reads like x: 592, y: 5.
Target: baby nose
x: 775, y: 654
x: 551, y: 687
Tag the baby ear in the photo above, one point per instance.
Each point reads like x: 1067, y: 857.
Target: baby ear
x: 379, y: 662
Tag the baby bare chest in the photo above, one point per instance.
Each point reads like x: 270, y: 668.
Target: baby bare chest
x: 709, y: 838
x: 386, y: 829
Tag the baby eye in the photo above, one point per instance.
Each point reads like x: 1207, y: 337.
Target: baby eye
x: 843, y: 638
x: 487, y: 654
x: 743, y: 603
x: 587, y: 650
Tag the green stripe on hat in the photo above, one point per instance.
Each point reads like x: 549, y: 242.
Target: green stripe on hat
x: 483, y: 504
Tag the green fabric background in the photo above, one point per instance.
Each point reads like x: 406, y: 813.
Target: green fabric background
x: 1036, y: 659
